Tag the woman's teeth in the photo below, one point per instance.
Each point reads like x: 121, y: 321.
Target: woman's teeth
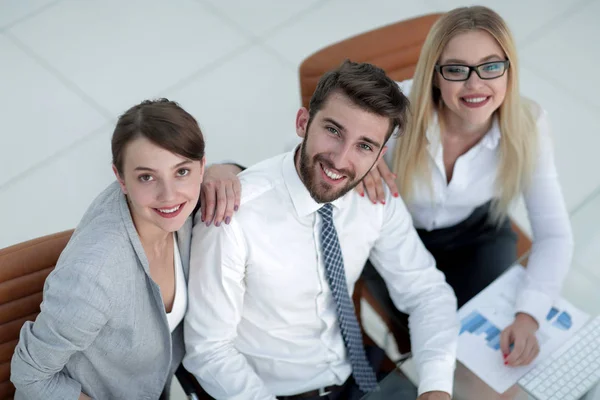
x: 475, y: 99
x: 169, y: 210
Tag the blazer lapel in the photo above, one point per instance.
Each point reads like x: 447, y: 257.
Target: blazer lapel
x: 134, y: 238
x: 184, y: 241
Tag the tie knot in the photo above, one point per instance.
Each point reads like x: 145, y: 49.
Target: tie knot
x: 326, y: 212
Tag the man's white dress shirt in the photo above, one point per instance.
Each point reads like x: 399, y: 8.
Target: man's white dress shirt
x: 261, y: 318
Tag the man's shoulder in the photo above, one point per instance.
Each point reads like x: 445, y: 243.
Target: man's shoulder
x: 393, y: 207
x: 261, y: 178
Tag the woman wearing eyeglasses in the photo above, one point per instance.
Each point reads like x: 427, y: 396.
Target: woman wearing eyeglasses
x: 472, y: 146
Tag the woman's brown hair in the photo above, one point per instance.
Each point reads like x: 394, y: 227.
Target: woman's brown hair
x: 165, y: 124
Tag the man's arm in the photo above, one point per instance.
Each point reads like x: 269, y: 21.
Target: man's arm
x: 418, y: 288
x: 216, y: 299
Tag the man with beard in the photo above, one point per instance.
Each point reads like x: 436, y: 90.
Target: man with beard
x: 270, y: 313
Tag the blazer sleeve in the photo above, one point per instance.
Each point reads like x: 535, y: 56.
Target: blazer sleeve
x: 75, y: 308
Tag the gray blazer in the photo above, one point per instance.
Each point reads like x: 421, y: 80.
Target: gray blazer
x: 102, y: 329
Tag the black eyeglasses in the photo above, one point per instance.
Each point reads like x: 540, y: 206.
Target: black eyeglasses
x: 459, y: 72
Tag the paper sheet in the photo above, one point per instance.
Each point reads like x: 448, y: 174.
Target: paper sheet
x: 485, y: 316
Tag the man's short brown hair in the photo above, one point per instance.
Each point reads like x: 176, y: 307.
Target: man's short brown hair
x: 368, y: 87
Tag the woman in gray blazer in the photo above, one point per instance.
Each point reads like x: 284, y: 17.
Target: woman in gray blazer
x: 109, y: 326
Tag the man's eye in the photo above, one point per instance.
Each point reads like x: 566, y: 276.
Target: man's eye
x: 365, y: 147
x: 145, y: 178
x: 333, y: 130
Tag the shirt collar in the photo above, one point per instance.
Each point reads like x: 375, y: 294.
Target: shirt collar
x: 301, y: 198
x: 492, y: 137
x: 490, y: 140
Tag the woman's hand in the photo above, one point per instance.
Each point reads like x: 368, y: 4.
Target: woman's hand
x: 521, y: 334
x: 372, y: 183
x: 220, y: 194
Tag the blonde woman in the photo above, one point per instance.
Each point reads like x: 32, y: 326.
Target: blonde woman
x: 471, y: 147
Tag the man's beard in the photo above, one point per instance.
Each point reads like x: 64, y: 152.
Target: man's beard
x: 322, y: 192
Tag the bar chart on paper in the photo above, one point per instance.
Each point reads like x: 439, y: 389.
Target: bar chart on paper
x: 483, y: 319
x: 477, y: 324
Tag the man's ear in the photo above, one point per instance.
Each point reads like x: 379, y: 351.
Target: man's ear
x: 302, y: 118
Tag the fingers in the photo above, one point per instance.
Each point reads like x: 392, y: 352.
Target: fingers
x: 210, y: 201
x: 519, y: 348
x: 221, y: 201
x: 374, y: 187
x: 389, y: 177
x: 379, y: 190
x: 229, y: 203
x: 531, y: 352
x: 505, y: 338
x: 220, y: 195
x: 237, y: 191
x: 370, y: 188
x: 360, y: 188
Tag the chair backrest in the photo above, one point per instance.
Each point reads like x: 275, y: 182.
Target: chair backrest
x: 23, y: 270
x: 395, y: 48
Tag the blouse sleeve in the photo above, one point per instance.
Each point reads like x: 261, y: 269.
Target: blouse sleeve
x: 552, y: 247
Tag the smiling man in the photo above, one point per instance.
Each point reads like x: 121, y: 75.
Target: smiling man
x: 270, y: 312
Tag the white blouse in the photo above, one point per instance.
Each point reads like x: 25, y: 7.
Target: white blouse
x: 473, y: 184
x: 180, y: 303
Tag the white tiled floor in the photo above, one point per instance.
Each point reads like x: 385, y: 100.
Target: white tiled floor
x: 69, y: 67
x: 250, y: 102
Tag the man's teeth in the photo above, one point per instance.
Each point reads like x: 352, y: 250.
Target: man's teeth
x: 169, y: 210
x: 475, y: 99
x: 331, y: 174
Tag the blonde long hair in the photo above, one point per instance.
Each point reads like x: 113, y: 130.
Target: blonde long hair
x: 518, y: 142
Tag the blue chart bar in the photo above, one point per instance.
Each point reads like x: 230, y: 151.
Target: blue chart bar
x: 477, y: 324
x: 563, y: 322
x: 552, y: 313
x: 493, y: 337
x: 472, y: 322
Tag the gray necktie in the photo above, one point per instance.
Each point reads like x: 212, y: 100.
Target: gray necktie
x: 334, y: 270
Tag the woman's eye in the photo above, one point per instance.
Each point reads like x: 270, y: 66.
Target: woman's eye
x: 492, y: 67
x: 145, y: 178
x: 183, y: 172
x: 456, y: 70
